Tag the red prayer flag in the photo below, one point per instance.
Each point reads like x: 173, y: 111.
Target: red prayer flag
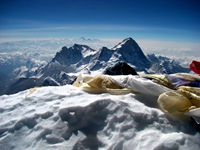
x: 195, y: 66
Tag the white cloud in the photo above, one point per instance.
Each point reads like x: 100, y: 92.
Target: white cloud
x: 170, y: 47
x: 185, y: 52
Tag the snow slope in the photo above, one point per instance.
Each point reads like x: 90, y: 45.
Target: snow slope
x: 67, y: 118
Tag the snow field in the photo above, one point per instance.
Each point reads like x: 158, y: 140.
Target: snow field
x: 65, y: 117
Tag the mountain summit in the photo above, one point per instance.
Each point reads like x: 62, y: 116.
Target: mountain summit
x: 82, y: 57
x: 73, y: 55
x: 79, y: 57
x: 131, y: 53
x: 126, y: 42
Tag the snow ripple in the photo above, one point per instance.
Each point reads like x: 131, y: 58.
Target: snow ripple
x: 67, y: 118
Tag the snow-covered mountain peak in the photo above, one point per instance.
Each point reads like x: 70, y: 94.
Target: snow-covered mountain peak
x: 129, y: 51
x: 72, y: 55
x: 103, y: 48
x: 82, y: 58
x: 126, y: 42
x: 82, y: 38
x: 79, y: 46
x: 84, y: 49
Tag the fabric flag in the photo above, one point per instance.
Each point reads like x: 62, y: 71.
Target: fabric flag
x: 195, y: 66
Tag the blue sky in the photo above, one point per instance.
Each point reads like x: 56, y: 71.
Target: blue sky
x: 167, y: 20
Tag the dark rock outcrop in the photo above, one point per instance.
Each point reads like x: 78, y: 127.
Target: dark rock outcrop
x: 120, y: 68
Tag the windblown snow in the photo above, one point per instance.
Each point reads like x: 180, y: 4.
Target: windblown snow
x: 67, y: 118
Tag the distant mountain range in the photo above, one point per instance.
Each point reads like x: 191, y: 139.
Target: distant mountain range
x: 82, y: 58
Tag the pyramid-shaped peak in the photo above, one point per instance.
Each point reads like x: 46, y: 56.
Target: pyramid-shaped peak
x: 127, y: 41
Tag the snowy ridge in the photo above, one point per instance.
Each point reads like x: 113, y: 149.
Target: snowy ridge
x: 74, y: 57
x: 162, y: 64
x: 121, y: 43
x: 50, y: 82
x: 80, y: 58
x: 66, y: 118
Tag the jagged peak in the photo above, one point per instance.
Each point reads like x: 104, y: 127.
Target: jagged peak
x: 104, y: 48
x: 64, y: 48
x: 82, y: 38
x: 81, y: 46
x: 127, y: 41
x: 76, y: 46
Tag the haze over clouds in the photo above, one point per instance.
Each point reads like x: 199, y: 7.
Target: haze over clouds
x: 162, y: 27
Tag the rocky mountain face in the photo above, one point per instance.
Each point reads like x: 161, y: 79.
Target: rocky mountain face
x: 120, y: 68
x: 124, y: 58
x: 130, y: 52
x: 74, y: 56
x: 162, y: 64
x: 81, y: 56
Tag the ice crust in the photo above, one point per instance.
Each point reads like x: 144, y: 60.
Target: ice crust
x: 65, y: 118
